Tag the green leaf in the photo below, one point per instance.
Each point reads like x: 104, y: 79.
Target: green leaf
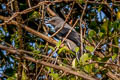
x: 115, y: 25
x: 54, y: 75
x: 76, y: 49
x: 114, y: 56
x: 99, y: 8
x: 91, y: 33
x: 41, y: 46
x: 73, y: 78
x: 100, y: 34
x: 104, y: 27
x: 118, y: 15
x: 119, y: 27
x: 85, y: 57
x: 14, y: 77
x: 63, y: 49
x: 24, y: 75
x: 49, y: 69
x: 51, y: 47
x: 96, y: 58
x: 89, y: 48
x: 58, y: 44
x: 80, y: 1
x: 116, y: 40
x: 88, y: 68
x: 35, y: 14
x: 36, y: 51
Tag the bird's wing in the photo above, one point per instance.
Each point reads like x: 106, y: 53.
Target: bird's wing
x: 73, y: 36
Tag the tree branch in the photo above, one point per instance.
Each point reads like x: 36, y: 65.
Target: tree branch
x: 65, y: 69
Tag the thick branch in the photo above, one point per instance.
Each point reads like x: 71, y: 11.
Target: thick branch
x: 32, y: 31
x: 65, y: 69
x: 48, y: 39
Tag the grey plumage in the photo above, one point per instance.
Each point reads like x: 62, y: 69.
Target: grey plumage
x: 71, y: 45
x: 73, y: 39
x: 59, y: 22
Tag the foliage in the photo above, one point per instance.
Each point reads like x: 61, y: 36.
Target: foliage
x: 100, y: 38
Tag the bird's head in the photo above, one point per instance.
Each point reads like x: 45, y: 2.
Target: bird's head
x: 55, y: 20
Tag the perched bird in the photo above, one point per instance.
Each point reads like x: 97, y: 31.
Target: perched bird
x: 58, y: 22
x: 73, y: 39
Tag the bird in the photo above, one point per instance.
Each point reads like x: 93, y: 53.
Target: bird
x: 58, y: 22
x: 73, y: 39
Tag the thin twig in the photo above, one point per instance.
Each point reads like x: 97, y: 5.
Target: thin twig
x: 29, y: 4
x: 65, y: 69
x: 64, y: 22
x: 104, y: 63
x: 97, y: 46
x: 81, y: 38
